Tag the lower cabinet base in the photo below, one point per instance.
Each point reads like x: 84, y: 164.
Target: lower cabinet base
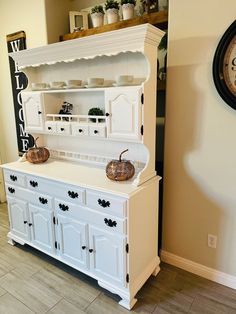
x: 127, y: 295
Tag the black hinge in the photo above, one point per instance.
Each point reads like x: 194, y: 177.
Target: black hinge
x: 127, y: 278
x: 142, y: 99
x: 56, y: 244
x: 127, y: 248
x: 141, y: 130
x: 54, y: 220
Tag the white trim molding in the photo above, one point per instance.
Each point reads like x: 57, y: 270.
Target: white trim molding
x: 199, y: 269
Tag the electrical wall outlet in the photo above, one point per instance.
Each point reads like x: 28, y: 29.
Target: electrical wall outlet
x: 212, y: 240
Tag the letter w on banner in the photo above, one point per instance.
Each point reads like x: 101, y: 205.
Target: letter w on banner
x: 15, y: 43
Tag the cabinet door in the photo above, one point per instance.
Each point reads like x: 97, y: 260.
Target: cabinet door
x: 73, y: 241
x: 107, y: 256
x: 18, y: 216
x: 124, y: 109
x: 33, y: 111
x: 42, y: 228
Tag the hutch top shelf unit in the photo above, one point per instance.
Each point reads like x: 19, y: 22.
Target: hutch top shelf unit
x: 129, y: 111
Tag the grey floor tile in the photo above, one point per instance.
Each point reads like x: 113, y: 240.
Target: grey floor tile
x: 34, y: 295
x: 64, y: 307
x: 10, y: 305
x: 72, y: 289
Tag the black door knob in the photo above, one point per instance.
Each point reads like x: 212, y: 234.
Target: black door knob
x: 95, y: 131
x: 107, y: 114
x: 83, y: 247
x: 49, y: 128
x: 62, y: 129
x: 90, y: 250
x: 80, y: 130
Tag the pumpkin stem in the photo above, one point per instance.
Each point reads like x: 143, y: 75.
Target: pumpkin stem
x: 122, y: 154
x: 35, y: 140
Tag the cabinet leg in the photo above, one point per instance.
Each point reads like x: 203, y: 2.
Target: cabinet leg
x: 10, y: 241
x: 156, y: 270
x: 127, y: 303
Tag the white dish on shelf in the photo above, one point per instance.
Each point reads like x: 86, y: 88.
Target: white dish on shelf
x: 39, y: 89
x: 73, y: 87
x: 97, y: 86
x: 125, y: 84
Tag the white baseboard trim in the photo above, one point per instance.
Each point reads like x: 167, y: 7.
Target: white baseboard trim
x: 199, y: 269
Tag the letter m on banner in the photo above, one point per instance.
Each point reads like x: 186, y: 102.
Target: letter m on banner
x: 15, y: 43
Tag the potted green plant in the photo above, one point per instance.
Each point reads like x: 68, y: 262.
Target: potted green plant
x: 112, y: 9
x: 97, y: 15
x: 95, y: 112
x: 128, y: 9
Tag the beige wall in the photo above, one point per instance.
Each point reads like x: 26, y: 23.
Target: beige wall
x: 43, y: 21
x: 200, y: 150
x: 57, y: 18
x: 15, y: 16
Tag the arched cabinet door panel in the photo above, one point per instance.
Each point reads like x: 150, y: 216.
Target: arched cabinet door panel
x: 41, y: 228
x: 18, y: 216
x: 124, y: 113
x: 72, y: 241
x: 33, y: 111
x: 107, y: 256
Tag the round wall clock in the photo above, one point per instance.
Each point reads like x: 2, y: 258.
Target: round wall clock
x: 224, y: 66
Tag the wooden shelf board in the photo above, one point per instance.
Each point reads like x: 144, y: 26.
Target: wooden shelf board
x: 159, y: 19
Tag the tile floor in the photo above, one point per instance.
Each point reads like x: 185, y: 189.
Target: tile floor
x: 31, y: 282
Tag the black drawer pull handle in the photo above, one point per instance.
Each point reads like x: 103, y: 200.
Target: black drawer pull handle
x: 11, y: 190
x: 62, y: 129
x: 83, y: 247
x: 104, y: 203
x: 13, y: 178
x: 30, y: 224
x: 43, y: 200
x: 25, y: 221
x: 73, y: 194
x: 110, y: 223
x: 63, y: 207
x: 33, y: 184
x: 95, y: 131
x: 80, y: 130
x: 39, y: 112
x: 90, y: 250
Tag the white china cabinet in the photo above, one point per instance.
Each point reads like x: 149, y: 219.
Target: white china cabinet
x: 67, y: 207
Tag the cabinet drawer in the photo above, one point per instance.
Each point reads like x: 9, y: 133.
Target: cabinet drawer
x: 68, y: 192
x: 79, y: 129
x: 51, y: 127
x: 107, y: 222
x: 106, y: 203
x: 14, y: 177
x: 97, y: 131
x: 63, y: 128
x: 42, y: 200
x: 15, y: 191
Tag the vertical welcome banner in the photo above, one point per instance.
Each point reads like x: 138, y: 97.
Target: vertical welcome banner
x: 17, y: 42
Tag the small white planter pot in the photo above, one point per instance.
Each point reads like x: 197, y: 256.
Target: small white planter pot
x: 128, y: 11
x: 112, y: 16
x: 97, y: 19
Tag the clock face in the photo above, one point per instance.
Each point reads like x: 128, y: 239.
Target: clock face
x: 224, y: 66
x: 229, y: 66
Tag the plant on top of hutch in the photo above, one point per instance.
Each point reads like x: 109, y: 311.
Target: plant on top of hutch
x: 112, y: 9
x: 71, y: 210
x: 128, y: 8
x: 97, y: 15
